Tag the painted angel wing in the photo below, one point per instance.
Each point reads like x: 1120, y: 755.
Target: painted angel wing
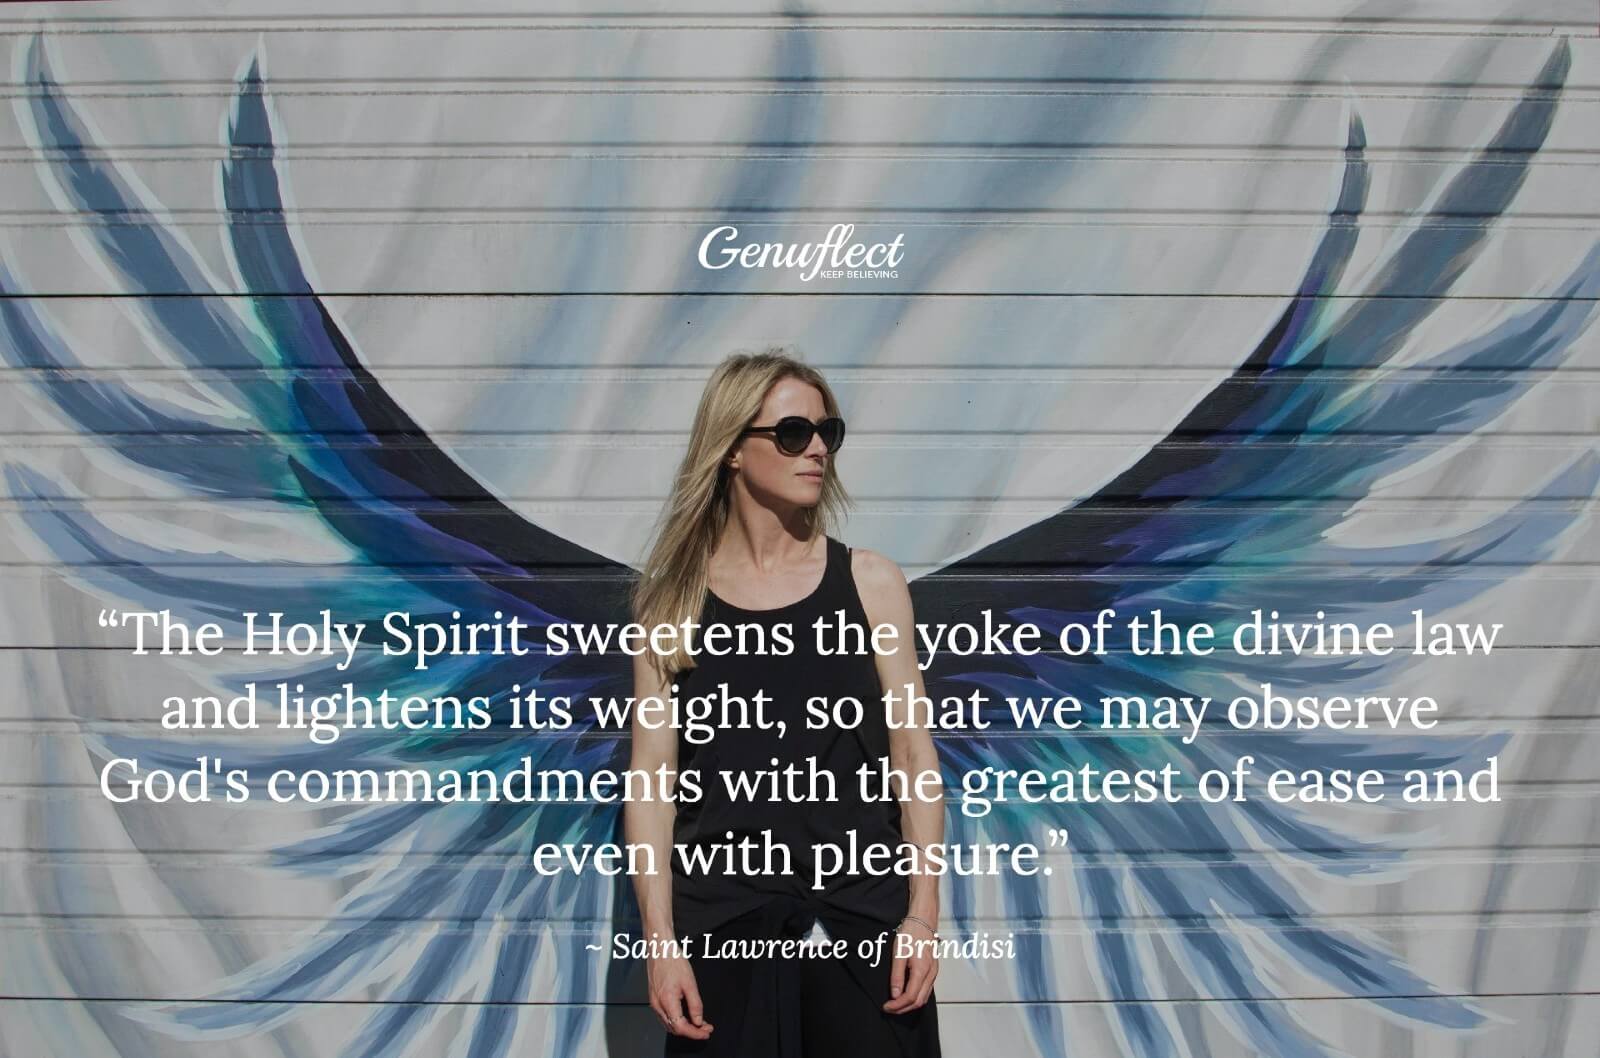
x: 302, y: 427
x: 1228, y: 513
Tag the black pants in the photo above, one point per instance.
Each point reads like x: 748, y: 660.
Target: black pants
x: 804, y: 1006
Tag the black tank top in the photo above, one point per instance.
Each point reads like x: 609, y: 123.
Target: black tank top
x: 850, y: 903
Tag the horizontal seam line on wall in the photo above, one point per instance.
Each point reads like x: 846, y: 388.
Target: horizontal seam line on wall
x: 943, y: 1002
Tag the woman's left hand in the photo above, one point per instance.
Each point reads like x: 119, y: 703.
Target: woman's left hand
x: 915, y: 966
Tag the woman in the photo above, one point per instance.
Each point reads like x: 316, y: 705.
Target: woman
x: 744, y: 540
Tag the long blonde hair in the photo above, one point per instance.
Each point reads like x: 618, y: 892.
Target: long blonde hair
x: 672, y: 585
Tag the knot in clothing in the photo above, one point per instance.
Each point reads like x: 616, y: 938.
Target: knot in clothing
x: 827, y: 1004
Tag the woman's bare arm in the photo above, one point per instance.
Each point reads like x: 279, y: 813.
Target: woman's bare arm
x: 887, y: 600
x: 648, y: 821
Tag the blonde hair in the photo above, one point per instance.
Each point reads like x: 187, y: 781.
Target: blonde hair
x: 672, y: 585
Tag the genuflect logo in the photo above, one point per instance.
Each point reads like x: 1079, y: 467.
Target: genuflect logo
x: 835, y: 257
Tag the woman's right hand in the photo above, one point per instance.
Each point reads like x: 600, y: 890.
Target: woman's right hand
x: 672, y: 990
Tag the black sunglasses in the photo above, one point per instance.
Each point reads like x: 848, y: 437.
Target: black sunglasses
x: 793, y: 433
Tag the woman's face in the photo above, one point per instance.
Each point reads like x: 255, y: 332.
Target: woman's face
x: 768, y: 471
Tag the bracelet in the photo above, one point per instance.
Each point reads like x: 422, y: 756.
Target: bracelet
x: 922, y: 922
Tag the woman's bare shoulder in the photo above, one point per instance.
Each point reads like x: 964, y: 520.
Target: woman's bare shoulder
x: 880, y: 582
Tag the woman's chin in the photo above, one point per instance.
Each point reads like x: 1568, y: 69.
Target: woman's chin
x: 809, y: 497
